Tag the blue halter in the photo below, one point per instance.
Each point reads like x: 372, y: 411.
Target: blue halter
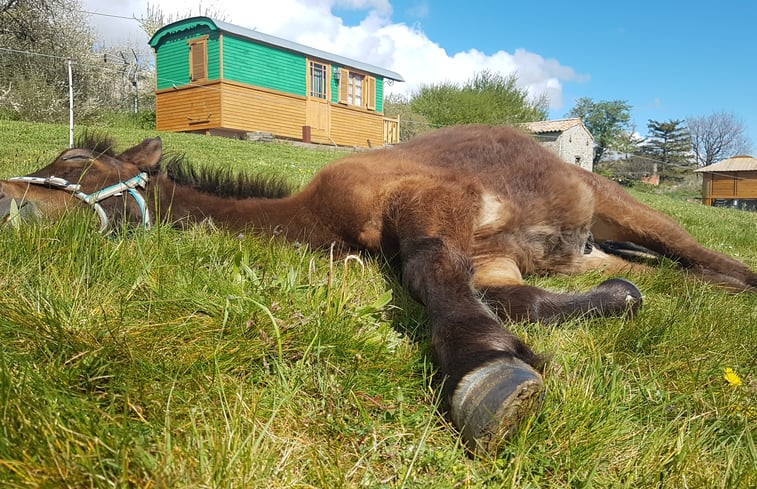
x: 93, y: 199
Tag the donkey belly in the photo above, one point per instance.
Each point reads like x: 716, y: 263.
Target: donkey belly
x: 532, y: 236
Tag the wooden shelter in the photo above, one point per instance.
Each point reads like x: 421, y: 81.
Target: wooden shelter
x: 218, y: 78
x: 730, y: 183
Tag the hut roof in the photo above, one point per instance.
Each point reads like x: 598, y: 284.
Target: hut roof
x: 736, y: 163
x: 556, y: 125
x: 254, y: 35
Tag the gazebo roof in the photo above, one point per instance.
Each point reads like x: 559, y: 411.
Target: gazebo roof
x: 736, y: 163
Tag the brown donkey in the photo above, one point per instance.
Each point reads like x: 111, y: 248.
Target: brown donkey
x: 468, y: 211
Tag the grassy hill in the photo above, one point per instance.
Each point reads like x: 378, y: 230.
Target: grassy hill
x: 207, y: 359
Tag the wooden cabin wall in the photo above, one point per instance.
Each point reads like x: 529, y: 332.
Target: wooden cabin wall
x: 172, y: 58
x: 193, y: 108
x: 729, y: 185
x: 355, y: 127
x: 723, y: 186
x: 747, y: 185
x: 247, y: 108
x: 263, y: 66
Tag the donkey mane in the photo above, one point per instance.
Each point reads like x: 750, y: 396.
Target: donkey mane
x: 97, y: 142
x: 223, y: 181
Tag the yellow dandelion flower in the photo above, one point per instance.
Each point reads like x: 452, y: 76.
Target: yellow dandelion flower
x: 731, y: 377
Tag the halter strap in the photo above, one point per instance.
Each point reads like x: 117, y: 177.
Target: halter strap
x: 93, y: 199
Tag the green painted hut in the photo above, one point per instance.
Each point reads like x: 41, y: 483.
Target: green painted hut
x: 218, y: 78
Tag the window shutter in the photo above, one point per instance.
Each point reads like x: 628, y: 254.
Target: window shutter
x: 198, y: 61
x: 370, y: 93
x: 344, y: 83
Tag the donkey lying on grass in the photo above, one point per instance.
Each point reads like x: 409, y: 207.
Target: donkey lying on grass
x: 468, y: 211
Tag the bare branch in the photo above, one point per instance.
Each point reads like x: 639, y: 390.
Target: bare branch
x: 717, y: 136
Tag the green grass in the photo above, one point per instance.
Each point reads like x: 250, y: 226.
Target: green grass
x: 206, y: 359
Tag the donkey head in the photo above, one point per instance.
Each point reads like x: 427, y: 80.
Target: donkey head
x: 89, y: 175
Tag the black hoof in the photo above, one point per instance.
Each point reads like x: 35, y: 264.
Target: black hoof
x: 490, y: 402
x: 617, y: 296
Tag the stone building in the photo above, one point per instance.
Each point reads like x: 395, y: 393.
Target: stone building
x: 569, y: 138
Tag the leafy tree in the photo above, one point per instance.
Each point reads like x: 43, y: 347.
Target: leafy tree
x: 608, y: 121
x: 33, y: 78
x: 628, y: 142
x: 487, y: 98
x: 716, y: 137
x: 154, y: 17
x: 669, y: 142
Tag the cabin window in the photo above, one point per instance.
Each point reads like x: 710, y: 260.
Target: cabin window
x: 317, y: 80
x: 357, y: 89
x: 198, y: 59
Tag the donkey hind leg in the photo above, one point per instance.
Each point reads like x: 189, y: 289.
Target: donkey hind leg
x: 620, y: 218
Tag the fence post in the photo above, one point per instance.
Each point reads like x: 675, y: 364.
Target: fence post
x: 70, y: 107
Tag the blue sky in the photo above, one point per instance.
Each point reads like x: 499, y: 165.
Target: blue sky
x: 668, y: 60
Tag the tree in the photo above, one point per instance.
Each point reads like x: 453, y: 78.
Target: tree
x: 608, y: 121
x: 16, y: 21
x: 669, y: 142
x: 628, y: 142
x: 487, y: 98
x: 33, y: 78
x: 716, y: 137
x: 154, y: 17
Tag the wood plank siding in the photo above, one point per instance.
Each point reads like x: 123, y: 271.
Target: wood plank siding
x: 248, y: 108
x: 351, y: 126
x: 729, y: 185
x: 216, y: 77
x: 191, y: 108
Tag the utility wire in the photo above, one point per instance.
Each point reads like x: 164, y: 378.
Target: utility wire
x: 107, y: 15
x: 18, y: 51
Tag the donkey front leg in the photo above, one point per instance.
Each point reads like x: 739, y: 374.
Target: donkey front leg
x: 613, y: 297
x: 490, y: 381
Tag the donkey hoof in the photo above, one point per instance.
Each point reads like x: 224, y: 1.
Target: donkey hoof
x: 618, y: 296
x: 490, y: 402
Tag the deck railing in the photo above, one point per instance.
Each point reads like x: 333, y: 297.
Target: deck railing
x: 391, y: 130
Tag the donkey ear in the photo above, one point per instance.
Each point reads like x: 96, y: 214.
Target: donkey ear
x: 145, y: 155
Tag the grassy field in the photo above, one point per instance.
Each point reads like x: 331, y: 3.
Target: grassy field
x: 204, y: 359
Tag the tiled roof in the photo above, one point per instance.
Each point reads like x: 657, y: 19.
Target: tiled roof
x: 737, y: 163
x: 557, y: 125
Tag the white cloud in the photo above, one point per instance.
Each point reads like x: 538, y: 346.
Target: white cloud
x: 376, y: 40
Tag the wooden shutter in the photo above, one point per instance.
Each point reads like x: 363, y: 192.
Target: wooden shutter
x: 370, y: 93
x: 198, y: 60
x: 344, y: 84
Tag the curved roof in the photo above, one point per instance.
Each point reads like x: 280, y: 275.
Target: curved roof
x: 278, y: 42
x: 736, y: 163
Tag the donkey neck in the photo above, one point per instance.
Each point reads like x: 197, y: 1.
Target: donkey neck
x: 288, y: 216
